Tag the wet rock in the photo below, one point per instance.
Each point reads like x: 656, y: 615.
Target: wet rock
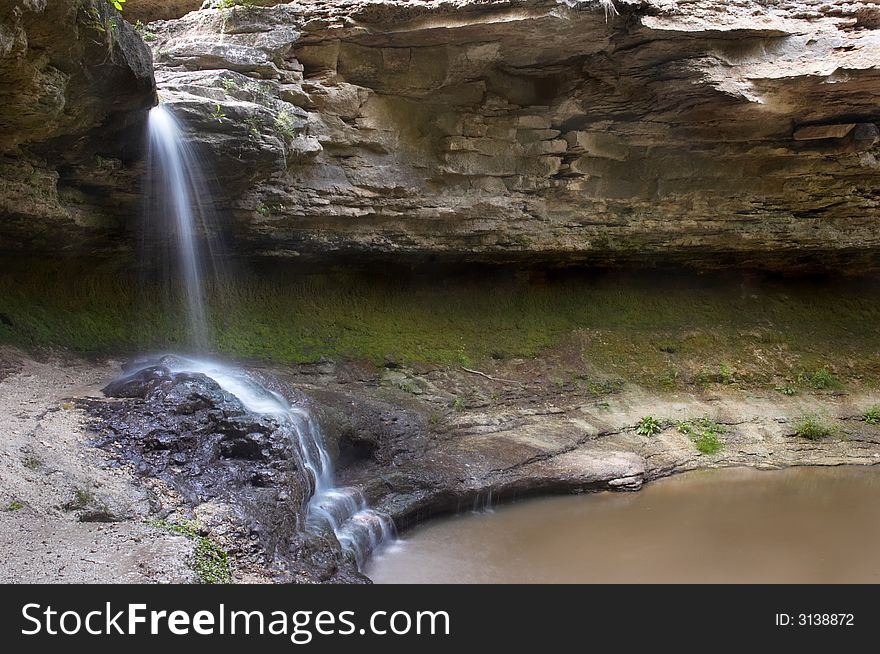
x: 185, y: 431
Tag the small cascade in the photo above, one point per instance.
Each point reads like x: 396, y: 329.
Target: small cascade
x: 344, y: 510
x: 358, y: 528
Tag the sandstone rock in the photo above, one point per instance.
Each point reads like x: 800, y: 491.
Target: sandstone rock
x: 662, y: 133
x: 75, y: 83
x: 701, y: 133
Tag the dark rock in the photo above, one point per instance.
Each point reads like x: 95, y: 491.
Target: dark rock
x: 185, y: 430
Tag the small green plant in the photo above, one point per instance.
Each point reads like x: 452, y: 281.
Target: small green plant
x: 814, y: 428
x: 82, y: 497
x: 708, y: 443
x: 648, y: 426
x: 705, y: 432
x: 15, y: 505
x: 254, y: 124
x: 406, y: 387
x: 229, y: 4
x: 669, y: 379
x: 606, y: 387
x: 872, y: 415
x: 32, y: 462
x: 284, y: 124
x: 118, y: 4
x: 94, y: 19
x: 229, y: 85
x: 725, y: 374
x: 211, y: 562
x: 264, y: 210
x: 786, y: 389
x: 218, y: 114
x: 819, y: 380
x: 458, y: 404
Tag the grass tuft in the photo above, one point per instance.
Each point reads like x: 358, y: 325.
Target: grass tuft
x: 814, y: 428
x: 872, y: 415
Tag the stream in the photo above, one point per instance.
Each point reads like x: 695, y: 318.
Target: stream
x: 735, y: 525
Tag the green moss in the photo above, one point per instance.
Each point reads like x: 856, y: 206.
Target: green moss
x: 210, y: 562
x: 608, y: 329
x: 14, y: 505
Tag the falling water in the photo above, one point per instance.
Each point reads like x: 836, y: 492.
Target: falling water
x: 344, y: 510
x: 179, y: 204
x: 175, y: 198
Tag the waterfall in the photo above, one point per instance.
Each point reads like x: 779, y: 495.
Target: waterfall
x: 175, y: 194
x: 179, y: 212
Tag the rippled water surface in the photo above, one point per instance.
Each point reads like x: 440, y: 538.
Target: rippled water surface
x: 735, y: 525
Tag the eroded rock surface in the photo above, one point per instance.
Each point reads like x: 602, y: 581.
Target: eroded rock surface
x: 75, y: 84
x: 701, y: 131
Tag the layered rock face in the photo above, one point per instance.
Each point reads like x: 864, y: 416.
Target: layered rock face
x: 75, y: 83
x: 639, y: 130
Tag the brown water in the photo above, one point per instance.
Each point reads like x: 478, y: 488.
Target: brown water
x: 727, y: 526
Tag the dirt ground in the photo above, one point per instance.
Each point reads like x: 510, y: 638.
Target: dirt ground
x: 70, y: 513
x: 67, y: 514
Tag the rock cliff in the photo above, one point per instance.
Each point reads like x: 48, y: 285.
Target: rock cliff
x: 699, y: 132
x: 75, y: 83
x: 703, y: 132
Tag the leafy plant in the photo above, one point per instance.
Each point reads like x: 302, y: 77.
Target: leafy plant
x: 814, y: 428
x: 786, y: 389
x: 284, y: 124
x: 254, y: 123
x: 725, y: 374
x: 118, y: 4
x: 229, y: 84
x: 218, y: 114
x: 32, y: 462
x: 458, y: 404
x: 705, y: 432
x: 872, y: 415
x: 229, y: 4
x: 669, y: 379
x: 648, y: 426
x: 15, y: 505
